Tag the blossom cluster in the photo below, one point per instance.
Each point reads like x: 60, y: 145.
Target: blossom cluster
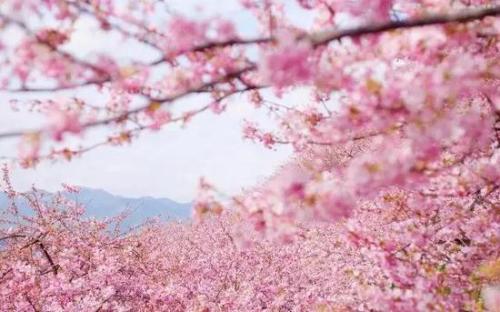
x: 396, y: 156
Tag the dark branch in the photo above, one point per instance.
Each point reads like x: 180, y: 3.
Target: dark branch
x: 460, y: 17
x: 54, y: 266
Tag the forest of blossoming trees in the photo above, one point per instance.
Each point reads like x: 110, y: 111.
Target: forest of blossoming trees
x: 391, y: 201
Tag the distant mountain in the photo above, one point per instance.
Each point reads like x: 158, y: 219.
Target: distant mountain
x: 101, y: 204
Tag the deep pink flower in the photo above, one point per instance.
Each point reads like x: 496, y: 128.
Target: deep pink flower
x: 336, y: 206
x: 289, y: 63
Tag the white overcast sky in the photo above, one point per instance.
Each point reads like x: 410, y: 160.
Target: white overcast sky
x: 167, y: 163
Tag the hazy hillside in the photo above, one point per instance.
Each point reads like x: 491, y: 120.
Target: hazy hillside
x: 101, y: 204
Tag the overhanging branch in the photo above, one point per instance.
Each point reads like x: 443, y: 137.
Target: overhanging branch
x: 317, y: 40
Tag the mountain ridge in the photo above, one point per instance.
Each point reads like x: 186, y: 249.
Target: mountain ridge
x: 102, y: 204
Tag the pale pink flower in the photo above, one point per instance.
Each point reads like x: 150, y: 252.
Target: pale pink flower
x: 185, y: 34
x: 70, y: 188
x: 368, y: 9
x: 289, y: 181
x: 29, y: 150
x: 249, y: 131
x: 63, y: 121
x: 268, y: 139
x: 217, y: 107
x: 225, y: 30
x: 159, y: 118
x: 491, y: 297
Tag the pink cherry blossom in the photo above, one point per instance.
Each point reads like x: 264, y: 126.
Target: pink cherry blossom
x: 389, y: 201
x: 491, y: 297
x: 289, y: 63
x: 29, y: 150
x: 185, y: 34
x: 370, y: 9
x: 61, y: 122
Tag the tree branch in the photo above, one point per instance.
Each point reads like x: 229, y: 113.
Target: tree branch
x: 54, y: 266
x: 172, y: 98
x: 13, y: 236
x: 78, y: 6
x: 317, y: 40
x: 459, y: 17
x: 71, y: 58
x: 69, y: 153
x: 322, y: 38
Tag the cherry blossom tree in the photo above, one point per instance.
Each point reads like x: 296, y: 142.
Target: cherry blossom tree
x: 57, y: 260
x: 396, y: 167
